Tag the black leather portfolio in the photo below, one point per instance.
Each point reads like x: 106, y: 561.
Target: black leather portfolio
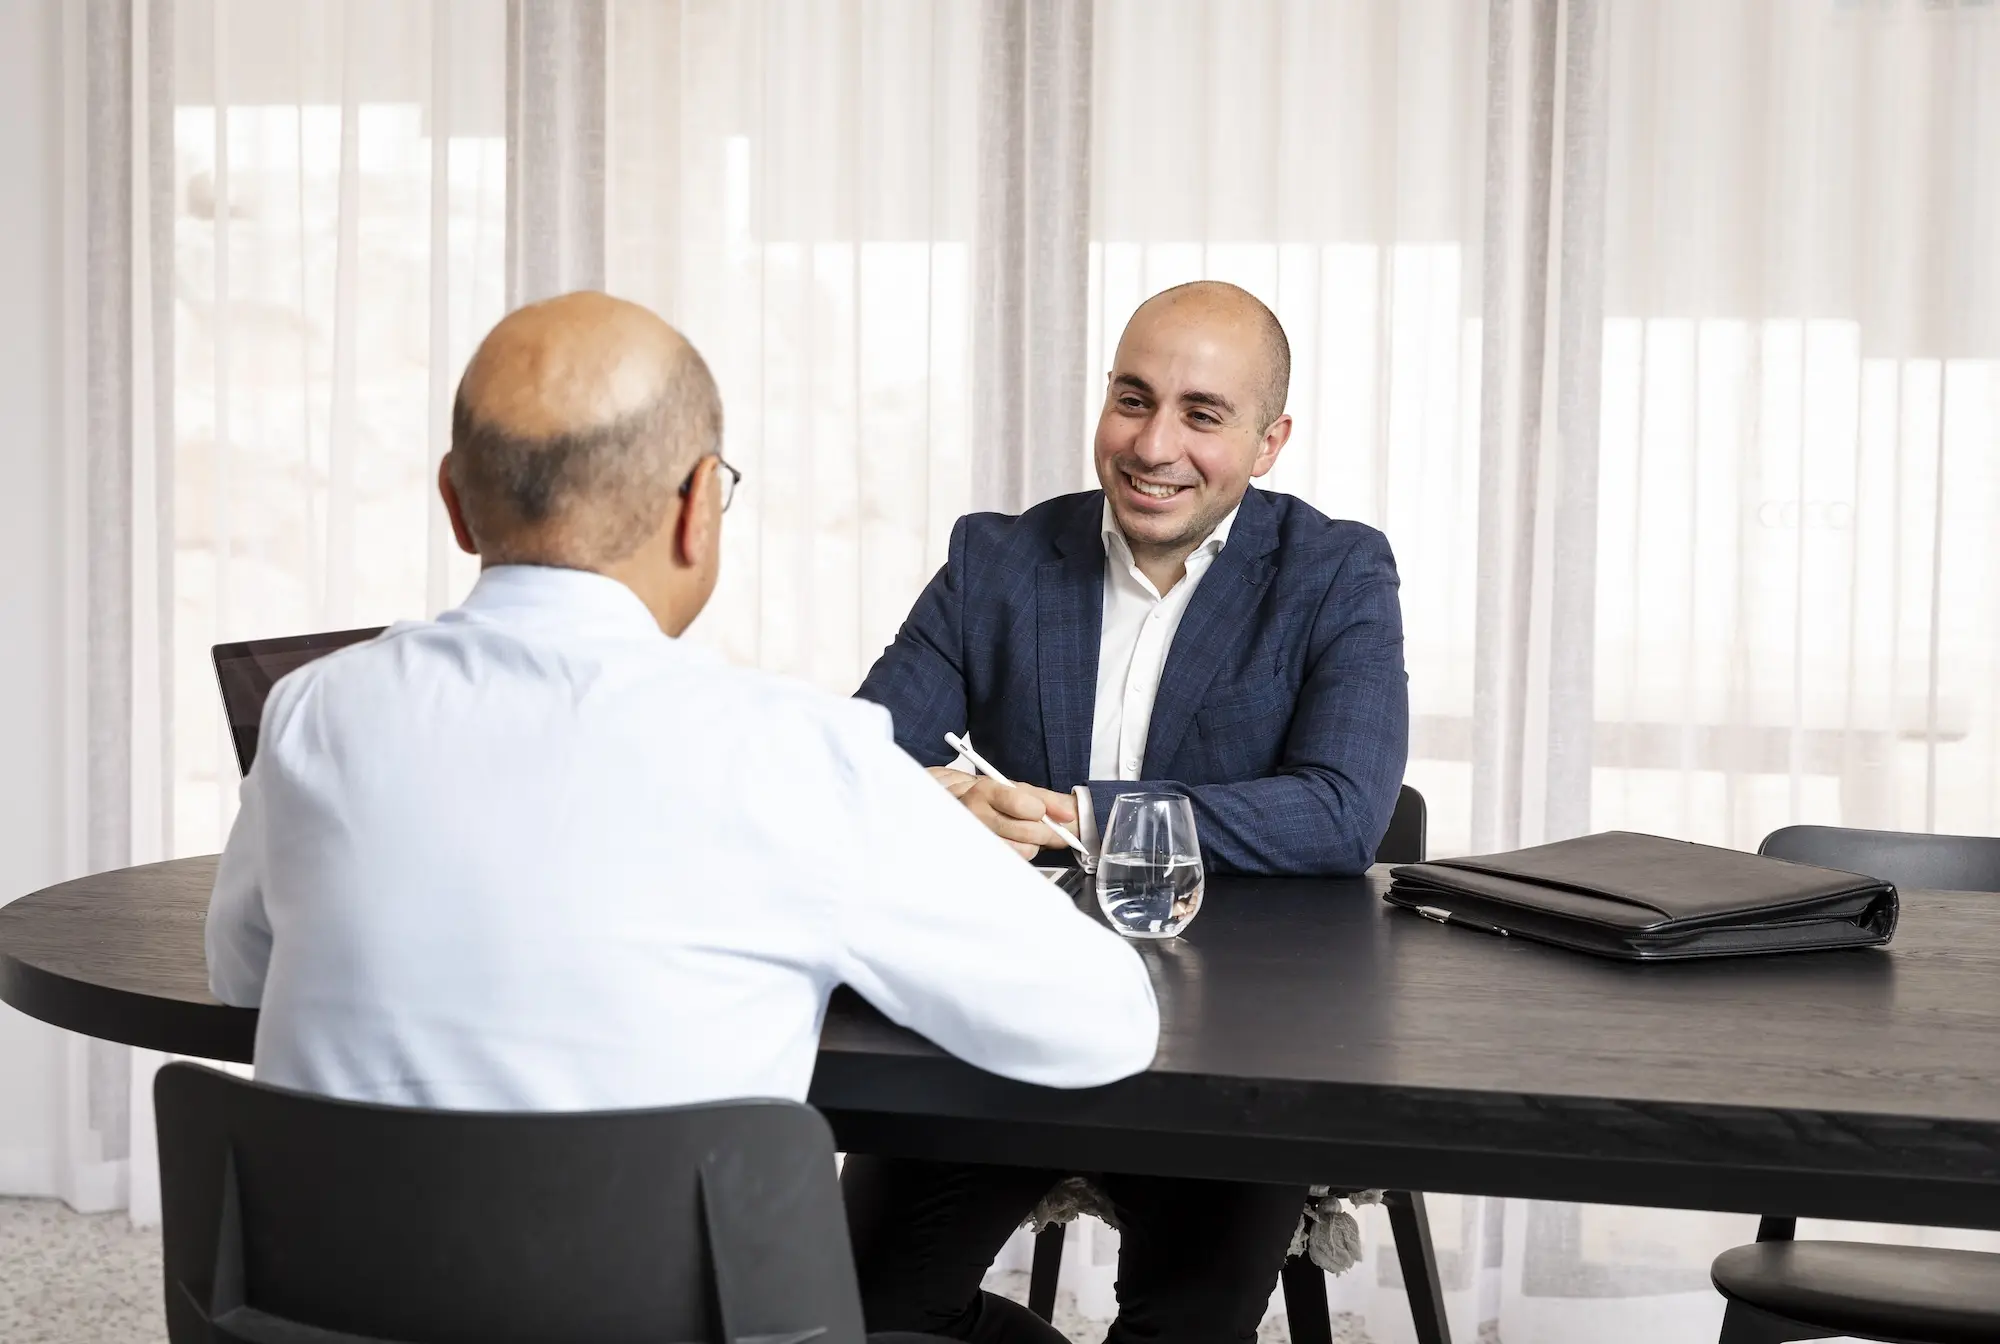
x: 1647, y: 898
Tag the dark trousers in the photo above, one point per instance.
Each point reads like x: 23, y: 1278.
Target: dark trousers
x: 1197, y: 1260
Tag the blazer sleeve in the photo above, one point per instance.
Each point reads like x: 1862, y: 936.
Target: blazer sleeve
x: 920, y: 677
x: 1327, y: 806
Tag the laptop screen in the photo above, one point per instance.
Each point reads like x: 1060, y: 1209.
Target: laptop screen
x: 247, y: 671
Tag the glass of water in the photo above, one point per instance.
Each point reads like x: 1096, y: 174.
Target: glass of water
x: 1149, y: 877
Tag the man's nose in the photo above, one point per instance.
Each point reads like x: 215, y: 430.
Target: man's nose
x: 1155, y: 444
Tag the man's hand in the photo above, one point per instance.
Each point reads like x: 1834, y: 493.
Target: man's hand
x: 1014, y: 814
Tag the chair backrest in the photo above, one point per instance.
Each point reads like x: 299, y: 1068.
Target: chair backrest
x: 1404, y: 841
x: 1904, y: 858
x: 293, y: 1217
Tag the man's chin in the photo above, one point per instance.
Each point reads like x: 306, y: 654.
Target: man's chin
x: 1152, y: 527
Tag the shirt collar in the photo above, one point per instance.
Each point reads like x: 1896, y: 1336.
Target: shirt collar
x: 566, y: 596
x: 1119, y: 549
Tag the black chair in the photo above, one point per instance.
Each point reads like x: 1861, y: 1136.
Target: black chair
x: 1905, y: 858
x: 1304, y: 1286
x: 294, y: 1219
x: 1780, y: 1290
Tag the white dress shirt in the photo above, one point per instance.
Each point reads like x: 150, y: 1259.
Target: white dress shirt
x: 1138, y: 631
x: 1139, y: 626
x: 538, y: 856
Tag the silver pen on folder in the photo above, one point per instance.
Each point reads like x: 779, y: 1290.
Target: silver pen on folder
x: 1444, y: 916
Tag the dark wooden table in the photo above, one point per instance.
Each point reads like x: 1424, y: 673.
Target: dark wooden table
x: 1310, y: 1033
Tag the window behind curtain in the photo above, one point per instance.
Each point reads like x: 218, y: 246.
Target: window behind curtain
x: 340, y: 173
x: 1799, y: 439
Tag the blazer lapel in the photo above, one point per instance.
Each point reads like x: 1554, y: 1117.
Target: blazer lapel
x: 1069, y: 615
x: 1217, y: 619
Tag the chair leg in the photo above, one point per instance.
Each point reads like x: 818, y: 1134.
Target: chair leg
x: 1306, y: 1308
x: 1772, y: 1228
x: 1044, y: 1270
x: 1412, y: 1227
x: 1744, y: 1324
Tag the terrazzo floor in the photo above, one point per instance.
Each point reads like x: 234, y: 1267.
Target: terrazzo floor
x: 68, y: 1278
x: 71, y: 1278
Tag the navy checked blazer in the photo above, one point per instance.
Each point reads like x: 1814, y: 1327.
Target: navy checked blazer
x: 1283, y: 710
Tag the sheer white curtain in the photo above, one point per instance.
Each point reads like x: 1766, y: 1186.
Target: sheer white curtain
x: 1658, y: 335
x: 118, y: 393
x: 300, y: 219
x: 293, y: 223
x: 794, y: 186
x: 339, y: 243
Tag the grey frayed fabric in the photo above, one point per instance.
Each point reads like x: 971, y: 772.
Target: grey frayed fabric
x: 1071, y: 1198
x: 1327, y: 1234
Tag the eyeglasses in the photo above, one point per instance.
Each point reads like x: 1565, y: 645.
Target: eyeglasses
x: 731, y: 478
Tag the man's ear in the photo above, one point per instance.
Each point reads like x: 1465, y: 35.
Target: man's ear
x: 701, y: 513
x: 1276, y: 436
x: 453, y: 509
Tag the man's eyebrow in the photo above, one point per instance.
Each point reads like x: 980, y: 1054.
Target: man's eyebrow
x: 1133, y: 381
x: 1215, y: 399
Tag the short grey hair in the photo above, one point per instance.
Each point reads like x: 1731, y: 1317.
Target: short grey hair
x: 588, y: 496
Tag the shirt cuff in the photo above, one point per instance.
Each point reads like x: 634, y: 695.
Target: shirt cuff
x: 1086, y: 817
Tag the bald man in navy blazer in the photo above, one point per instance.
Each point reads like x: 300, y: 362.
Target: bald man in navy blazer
x: 1175, y: 630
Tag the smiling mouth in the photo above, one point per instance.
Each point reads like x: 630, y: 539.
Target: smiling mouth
x: 1155, y: 489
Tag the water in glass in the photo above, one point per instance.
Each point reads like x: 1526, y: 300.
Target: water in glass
x: 1149, y: 873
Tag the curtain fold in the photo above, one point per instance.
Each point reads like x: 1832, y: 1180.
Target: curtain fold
x: 1519, y: 204
x: 121, y: 613
x: 1543, y: 314
x: 1032, y: 243
x: 1578, y: 301
x: 117, y: 616
x: 109, y: 648
x: 556, y: 71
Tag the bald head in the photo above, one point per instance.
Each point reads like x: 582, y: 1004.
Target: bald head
x: 1236, y: 310
x: 575, y: 423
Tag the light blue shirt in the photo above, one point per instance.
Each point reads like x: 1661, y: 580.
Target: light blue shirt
x: 536, y: 855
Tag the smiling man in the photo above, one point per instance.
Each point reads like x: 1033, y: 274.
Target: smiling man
x: 1175, y: 630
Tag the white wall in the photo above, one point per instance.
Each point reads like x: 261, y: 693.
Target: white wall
x: 32, y: 821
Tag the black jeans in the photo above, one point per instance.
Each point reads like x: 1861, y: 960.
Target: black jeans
x: 1197, y: 1260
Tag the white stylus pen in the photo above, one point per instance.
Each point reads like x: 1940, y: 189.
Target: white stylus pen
x: 963, y: 746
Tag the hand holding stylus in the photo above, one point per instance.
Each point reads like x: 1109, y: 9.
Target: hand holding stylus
x: 963, y: 746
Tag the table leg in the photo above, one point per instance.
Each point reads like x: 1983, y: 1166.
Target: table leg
x: 1412, y: 1227
x: 1305, y: 1301
x: 1044, y: 1270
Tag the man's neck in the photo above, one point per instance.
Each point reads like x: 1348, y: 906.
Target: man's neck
x: 674, y: 595
x: 1163, y: 566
